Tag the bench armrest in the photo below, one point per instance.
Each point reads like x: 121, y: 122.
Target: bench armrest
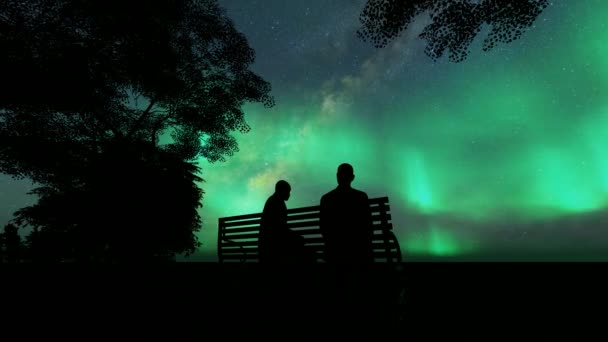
x: 240, y: 246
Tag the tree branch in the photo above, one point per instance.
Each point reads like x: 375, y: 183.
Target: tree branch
x: 141, y: 118
x: 157, y: 127
x: 99, y: 116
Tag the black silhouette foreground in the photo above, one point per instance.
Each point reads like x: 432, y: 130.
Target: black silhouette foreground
x: 346, y: 221
x: 278, y: 244
x: 138, y: 204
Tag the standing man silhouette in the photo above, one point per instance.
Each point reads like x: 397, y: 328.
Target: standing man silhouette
x: 277, y: 243
x: 346, y: 222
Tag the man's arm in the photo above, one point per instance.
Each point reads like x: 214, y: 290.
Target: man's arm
x: 271, y: 218
x: 322, y: 216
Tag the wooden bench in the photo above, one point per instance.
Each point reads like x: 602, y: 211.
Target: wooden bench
x: 238, y: 235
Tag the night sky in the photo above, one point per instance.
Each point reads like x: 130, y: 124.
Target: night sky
x: 499, y: 157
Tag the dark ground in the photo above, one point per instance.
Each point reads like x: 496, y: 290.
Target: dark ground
x: 201, y: 297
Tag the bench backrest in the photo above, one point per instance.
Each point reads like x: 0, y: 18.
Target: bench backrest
x: 238, y: 235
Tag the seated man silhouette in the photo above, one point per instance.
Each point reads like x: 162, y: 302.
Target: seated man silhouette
x: 277, y: 243
x: 346, y: 222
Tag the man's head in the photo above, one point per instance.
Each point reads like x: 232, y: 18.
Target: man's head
x: 345, y: 174
x: 283, y: 189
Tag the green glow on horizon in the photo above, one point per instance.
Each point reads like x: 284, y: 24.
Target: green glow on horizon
x: 562, y: 183
x: 438, y: 242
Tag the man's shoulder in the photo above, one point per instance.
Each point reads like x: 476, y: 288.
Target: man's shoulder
x: 328, y: 195
x: 270, y: 200
x: 361, y: 194
x: 273, y: 201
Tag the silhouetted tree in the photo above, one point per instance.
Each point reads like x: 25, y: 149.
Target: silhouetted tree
x: 139, y: 203
x: 454, y: 23
x: 86, y: 85
x: 11, y: 244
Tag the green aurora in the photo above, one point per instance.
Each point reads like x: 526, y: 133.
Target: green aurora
x: 502, y: 154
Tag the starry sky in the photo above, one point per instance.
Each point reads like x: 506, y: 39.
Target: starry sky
x: 499, y: 157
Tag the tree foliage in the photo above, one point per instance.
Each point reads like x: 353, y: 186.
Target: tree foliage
x: 89, y: 88
x: 139, y: 203
x: 11, y: 244
x: 454, y: 23
x: 73, y: 70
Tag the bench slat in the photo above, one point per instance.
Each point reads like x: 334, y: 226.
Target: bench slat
x: 378, y: 200
x: 255, y: 224
x: 239, y: 243
x: 309, y: 231
x: 303, y: 224
x: 249, y: 222
x: 377, y: 218
x: 298, y: 217
x: 235, y: 233
x: 244, y: 250
x: 376, y: 226
x: 314, y: 208
x: 311, y: 217
x: 239, y: 257
x: 242, y: 236
x: 242, y: 217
